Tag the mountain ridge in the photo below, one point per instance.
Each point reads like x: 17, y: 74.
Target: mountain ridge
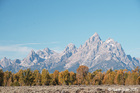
x: 94, y: 53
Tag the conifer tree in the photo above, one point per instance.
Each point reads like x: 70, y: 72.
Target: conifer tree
x: 1, y: 77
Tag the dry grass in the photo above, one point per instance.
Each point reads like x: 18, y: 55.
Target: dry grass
x: 71, y: 89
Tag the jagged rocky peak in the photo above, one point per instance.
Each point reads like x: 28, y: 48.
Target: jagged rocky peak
x: 5, y: 59
x: 17, y: 61
x: 45, y: 53
x: 31, y: 55
x: 32, y: 52
x: 110, y: 40
x: 94, y: 37
x: 70, y: 48
x: 47, y: 50
x: 93, y: 41
x: 94, y: 53
x: 5, y: 62
x: 31, y: 59
x: 115, y: 48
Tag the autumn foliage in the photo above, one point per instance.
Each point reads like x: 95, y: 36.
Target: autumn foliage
x: 81, y: 77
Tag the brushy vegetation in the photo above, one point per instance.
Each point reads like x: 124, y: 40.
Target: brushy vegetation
x: 81, y: 77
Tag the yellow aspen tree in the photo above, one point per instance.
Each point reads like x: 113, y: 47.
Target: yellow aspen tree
x: 7, y: 76
x: 15, y: 80
x: 55, y: 76
x: 72, y: 78
x: 81, y: 74
x: 64, y: 77
x: 109, y: 77
x: 119, y: 78
x: 28, y: 77
x: 138, y: 81
x: 21, y: 77
x: 89, y: 79
x: 97, y: 80
x: 52, y: 80
x: 45, y: 78
x: 37, y: 77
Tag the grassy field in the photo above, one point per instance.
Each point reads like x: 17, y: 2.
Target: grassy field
x: 71, y: 89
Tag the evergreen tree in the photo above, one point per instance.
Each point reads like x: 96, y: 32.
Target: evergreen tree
x: 1, y: 77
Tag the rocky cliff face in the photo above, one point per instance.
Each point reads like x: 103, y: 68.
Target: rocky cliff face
x: 94, y: 53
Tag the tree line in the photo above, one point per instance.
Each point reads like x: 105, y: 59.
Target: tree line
x: 81, y: 77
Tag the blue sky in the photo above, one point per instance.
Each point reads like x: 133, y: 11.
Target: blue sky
x: 37, y: 24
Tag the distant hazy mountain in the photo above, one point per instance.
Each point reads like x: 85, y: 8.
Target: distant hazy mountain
x: 94, y: 53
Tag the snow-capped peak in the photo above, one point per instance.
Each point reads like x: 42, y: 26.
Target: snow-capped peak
x: 110, y: 40
x: 94, y: 37
x: 46, y: 49
x: 5, y: 62
x: 95, y: 34
x: 70, y: 48
x: 32, y: 52
x: 31, y: 56
x: 4, y: 59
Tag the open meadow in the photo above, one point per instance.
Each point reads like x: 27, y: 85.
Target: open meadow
x: 72, y: 89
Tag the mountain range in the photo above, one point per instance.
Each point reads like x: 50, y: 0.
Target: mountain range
x: 94, y: 53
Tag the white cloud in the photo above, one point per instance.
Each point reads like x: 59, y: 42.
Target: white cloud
x: 57, y: 49
x: 28, y: 44
x: 16, y: 50
x: 20, y: 50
